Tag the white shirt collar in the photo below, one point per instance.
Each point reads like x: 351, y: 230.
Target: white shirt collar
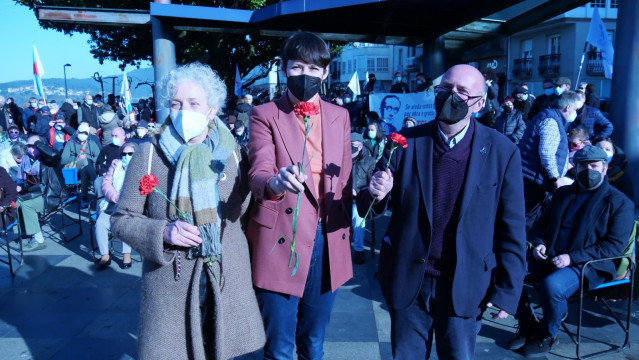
x: 455, y: 139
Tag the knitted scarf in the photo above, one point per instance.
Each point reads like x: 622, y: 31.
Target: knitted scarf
x: 198, y: 168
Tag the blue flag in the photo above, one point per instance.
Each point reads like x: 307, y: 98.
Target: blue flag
x: 238, y: 82
x: 598, y: 36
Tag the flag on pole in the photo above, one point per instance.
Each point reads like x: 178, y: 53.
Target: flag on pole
x: 598, y: 36
x: 354, y: 85
x: 125, y: 94
x: 366, y: 80
x: 38, y: 71
x: 238, y: 82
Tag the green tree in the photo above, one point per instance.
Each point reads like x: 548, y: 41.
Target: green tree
x: 132, y: 45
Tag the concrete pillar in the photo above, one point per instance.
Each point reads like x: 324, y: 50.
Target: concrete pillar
x: 163, y: 61
x: 624, y: 95
x: 433, y: 64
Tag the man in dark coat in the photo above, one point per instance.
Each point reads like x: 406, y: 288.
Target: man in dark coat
x: 90, y: 112
x: 585, y: 221
x: 456, y: 239
x: 363, y: 167
x: 594, y: 120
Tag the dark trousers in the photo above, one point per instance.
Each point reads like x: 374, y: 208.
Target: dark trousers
x: 290, y: 320
x: 87, y: 175
x: 432, y: 312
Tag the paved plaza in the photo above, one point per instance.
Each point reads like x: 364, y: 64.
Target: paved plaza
x: 59, y: 307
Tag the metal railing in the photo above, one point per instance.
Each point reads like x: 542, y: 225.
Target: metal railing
x: 594, y: 64
x: 523, y: 67
x: 549, y: 64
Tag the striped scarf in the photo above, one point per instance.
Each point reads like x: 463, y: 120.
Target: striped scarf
x: 198, y: 168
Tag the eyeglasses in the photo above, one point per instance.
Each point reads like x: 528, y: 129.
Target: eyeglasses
x: 463, y: 95
x: 14, y: 132
x: 127, y: 153
x: 391, y: 108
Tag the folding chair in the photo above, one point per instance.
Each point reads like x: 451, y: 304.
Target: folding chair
x: 626, y: 267
x: 71, y: 183
x: 11, y: 258
x: 93, y: 218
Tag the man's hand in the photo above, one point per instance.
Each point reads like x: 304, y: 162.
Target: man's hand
x: 502, y: 314
x: 81, y: 156
x: 561, y: 261
x: 539, y: 253
x: 381, y: 184
x: 288, y: 179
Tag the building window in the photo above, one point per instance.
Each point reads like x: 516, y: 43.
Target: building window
x: 370, y: 64
x: 350, y: 67
x: 343, y: 67
x: 614, y: 4
x: 598, y: 3
x: 382, y: 64
x: 526, y: 49
x: 554, y: 44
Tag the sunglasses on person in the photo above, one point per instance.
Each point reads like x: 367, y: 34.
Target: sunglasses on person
x: 14, y: 132
x: 127, y: 153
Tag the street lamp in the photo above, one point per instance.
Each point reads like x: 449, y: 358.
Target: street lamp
x: 66, y: 92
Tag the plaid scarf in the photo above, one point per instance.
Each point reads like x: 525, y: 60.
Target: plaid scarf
x: 198, y: 168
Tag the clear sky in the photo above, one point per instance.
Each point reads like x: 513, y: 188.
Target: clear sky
x: 20, y: 30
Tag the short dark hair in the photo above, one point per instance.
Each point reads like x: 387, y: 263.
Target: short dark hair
x: 305, y: 46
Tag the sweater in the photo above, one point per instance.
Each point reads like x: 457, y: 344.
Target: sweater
x: 449, y: 172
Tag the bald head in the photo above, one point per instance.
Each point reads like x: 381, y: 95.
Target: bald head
x: 118, y: 131
x: 469, y: 85
x: 465, y: 77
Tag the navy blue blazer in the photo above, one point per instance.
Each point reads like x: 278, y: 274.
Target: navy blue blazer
x: 490, y: 242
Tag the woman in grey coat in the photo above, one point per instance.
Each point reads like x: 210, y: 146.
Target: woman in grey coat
x: 197, y: 296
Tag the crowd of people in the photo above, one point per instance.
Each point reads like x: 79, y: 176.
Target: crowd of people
x: 243, y: 209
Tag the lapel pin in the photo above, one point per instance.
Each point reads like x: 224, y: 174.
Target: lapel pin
x: 483, y: 150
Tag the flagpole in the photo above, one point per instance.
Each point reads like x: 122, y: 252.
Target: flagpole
x: 583, y: 55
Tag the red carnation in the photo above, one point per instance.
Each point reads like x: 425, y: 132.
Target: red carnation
x: 148, y: 183
x: 306, y: 109
x: 13, y: 204
x: 398, y: 138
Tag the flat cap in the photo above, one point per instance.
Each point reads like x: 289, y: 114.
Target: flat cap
x: 562, y: 81
x: 357, y: 137
x: 590, y: 153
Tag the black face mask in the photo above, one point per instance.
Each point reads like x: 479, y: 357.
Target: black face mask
x: 589, y: 179
x: 450, y: 108
x: 354, y: 149
x: 303, y: 87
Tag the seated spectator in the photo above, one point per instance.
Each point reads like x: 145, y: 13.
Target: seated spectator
x: 14, y: 135
x: 374, y: 140
x: 108, y: 121
x: 363, y: 166
x: 594, y: 120
x: 409, y: 122
x: 59, y: 134
x: 8, y: 196
x: 30, y: 114
x: 585, y: 221
x: 241, y: 134
x: 11, y: 158
x: 43, y: 122
x: 82, y: 153
x: 30, y: 186
x: 617, y: 167
x: 111, y: 186
x: 110, y: 151
x: 510, y: 122
x: 141, y: 133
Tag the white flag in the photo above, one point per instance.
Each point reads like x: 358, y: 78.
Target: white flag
x: 598, y: 36
x: 125, y: 94
x: 354, y: 85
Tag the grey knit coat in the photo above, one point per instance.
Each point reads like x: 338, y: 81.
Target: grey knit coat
x: 170, y: 324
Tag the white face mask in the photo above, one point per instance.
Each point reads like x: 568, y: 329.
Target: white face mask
x: 141, y: 132
x: 189, y: 124
x: 572, y: 117
x: 83, y: 137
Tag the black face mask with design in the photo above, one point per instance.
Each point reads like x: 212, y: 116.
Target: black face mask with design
x: 303, y: 87
x: 450, y: 108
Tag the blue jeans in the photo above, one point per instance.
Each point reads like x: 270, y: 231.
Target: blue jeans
x: 412, y: 328
x: 554, y: 291
x: 358, y: 231
x: 290, y: 320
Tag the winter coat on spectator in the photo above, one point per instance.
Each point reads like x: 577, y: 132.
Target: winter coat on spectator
x: 106, y: 156
x: 618, y: 174
x: 363, y: 166
x: 72, y: 149
x: 511, y: 123
x: 90, y: 114
x: 8, y: 195
x: 597, y: 124
x: 108, y: 121
x: 29, y: 117
x: 9, y: 164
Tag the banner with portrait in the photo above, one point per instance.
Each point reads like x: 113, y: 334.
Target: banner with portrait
x: 394, y: 108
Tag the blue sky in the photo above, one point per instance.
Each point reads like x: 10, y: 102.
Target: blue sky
x: 20, y: 30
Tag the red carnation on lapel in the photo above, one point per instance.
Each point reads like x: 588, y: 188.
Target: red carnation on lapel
x: 398, y: 138
x: 306, y: 109
x: 148, y: 183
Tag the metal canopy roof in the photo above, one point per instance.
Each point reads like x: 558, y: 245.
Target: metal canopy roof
x: 463, y: 23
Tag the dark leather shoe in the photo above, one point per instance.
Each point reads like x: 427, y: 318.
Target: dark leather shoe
x: 537, y: 347
x: 102, y: 265
x: 126, y: 265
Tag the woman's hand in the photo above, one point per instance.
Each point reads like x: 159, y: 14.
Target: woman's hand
x: 180, y: 233
x: 288, y: 179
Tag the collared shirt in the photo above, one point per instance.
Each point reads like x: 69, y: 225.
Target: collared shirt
x: 455, y: 139
x: 549, y: 138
